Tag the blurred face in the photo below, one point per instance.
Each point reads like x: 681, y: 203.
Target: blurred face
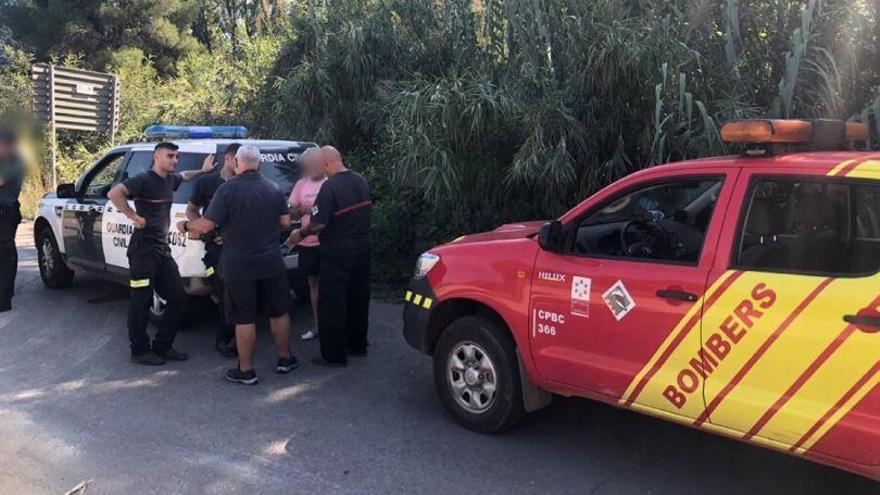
x: 314, y: 166
x: 165, y: 160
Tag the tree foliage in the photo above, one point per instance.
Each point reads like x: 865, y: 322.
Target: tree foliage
x: 469, y: 113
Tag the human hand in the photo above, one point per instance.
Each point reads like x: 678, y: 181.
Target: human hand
x: 294, y: 238
x: 138, y: 221
x: 181, y: 227
x: 208, y: 164
x: 304, y: 210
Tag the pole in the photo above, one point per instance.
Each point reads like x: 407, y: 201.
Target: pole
x: 52, y: 141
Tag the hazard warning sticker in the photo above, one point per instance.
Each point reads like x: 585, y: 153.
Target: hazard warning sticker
x: 580, y: 296
x: 618, y: 300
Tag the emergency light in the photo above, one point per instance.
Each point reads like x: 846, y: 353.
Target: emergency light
x: 816, y: 134
x: 195, y: 132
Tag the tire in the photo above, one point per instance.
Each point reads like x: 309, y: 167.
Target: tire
x: 472, y: 340
x: 53, y: 270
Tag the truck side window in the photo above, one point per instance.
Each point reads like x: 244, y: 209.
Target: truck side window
x: 140, y: 162
x: 811, y: 227
x: 666, y: 221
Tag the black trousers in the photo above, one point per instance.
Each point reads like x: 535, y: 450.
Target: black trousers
x: 152, y: 270
x: 225, y: 332
x: 10, y: 218
x: 343, y: 305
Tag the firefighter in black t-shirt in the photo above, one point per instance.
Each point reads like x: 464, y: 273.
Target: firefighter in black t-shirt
x: 341, y: 218
x: 205, y: 187
x: 151, y: 266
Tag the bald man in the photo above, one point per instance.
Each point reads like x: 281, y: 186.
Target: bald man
x: 341, y: 217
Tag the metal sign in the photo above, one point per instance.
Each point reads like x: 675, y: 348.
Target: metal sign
x: 75, y: 99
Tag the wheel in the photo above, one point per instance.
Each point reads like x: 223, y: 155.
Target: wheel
x: 477, y: 375
x: 53, y: 270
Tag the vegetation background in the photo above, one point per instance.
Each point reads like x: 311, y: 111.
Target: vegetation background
x: 464, y: 114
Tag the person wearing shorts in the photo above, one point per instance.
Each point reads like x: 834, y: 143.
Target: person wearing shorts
x: 251, y: 212
x: 302, y: 200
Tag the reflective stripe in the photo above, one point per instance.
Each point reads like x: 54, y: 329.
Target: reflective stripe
x: 417, y: 300
x: 427, y: 303
x: 209, y: 271
x: 408, y: 296
x: 140, y: 284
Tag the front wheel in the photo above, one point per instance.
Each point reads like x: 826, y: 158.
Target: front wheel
x: 53, y: 271
x: 477, y: 375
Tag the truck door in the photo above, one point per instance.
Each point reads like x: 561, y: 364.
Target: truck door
x: 82, y: 216
x: 617, y: 313
x: 801, y: 360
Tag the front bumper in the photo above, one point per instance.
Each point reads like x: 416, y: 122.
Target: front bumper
x: 419, y: 301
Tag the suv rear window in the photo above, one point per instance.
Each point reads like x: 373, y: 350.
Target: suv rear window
x: 812, y: 226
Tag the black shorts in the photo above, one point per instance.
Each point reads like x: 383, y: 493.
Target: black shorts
x: 246, y: 300
x: 310, y: 260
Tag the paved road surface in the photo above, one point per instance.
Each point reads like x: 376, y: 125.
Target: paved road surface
x: 73, y: 408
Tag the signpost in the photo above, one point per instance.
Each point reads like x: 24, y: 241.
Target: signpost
x: 74, y: 99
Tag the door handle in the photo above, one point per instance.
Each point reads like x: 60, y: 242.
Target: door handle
x: 863, y: 321
x: 678, y: 295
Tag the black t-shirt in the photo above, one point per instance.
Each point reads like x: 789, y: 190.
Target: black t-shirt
x: 248, y: 208
x: 202, y: 194
x: 152, y: 196
x: 344, y: 207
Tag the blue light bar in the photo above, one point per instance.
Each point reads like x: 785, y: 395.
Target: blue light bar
x: 195, y: 132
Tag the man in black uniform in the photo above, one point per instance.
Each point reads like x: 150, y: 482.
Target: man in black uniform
x: 149, y: 257
x: 341, y: 218
x: 224, y: 338
x: 250, y: 211
x: 11, y: 179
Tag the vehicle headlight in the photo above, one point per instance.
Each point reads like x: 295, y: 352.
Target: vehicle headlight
x: 424, y: 264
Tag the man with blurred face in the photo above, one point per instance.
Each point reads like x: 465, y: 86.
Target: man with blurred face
x: 11, y: 179
x: 250, y: 211
x: 302, y: 200
x: 341, y: 218
x: 150, y: 263
x: 205, y: 188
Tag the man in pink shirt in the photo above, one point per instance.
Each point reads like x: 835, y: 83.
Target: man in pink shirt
x: 302, y: 199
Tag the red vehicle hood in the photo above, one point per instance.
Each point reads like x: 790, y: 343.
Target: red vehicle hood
x: 506, y: 231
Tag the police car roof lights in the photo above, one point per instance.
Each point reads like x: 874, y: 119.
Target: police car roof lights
x: 816, y: 135
x: 195, y: 132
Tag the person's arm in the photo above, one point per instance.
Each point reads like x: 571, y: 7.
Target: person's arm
x: 119, y: 197
x: 199, y: 226
x: 214, y: 216
x: 207, y: 167
x: 325, y: 205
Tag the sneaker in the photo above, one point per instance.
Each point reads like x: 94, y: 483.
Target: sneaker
x: 286, y: 365
x: 311, y: 334
x: 235, y: 375
x: 319, y: 361
x: 172, y: 354
x: 226, y: 350
x: 148, y: 358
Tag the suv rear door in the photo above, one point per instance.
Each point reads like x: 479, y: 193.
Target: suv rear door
x: 802, y: 365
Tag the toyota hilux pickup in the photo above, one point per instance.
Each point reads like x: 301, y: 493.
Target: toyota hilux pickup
x: 739, y: 295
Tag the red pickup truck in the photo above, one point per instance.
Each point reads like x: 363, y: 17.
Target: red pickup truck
x: 739, y: 295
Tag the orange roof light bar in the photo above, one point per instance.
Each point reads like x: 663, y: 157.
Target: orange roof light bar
x: 767, y: 131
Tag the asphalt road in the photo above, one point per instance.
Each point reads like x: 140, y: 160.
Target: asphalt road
x: 73, y: 408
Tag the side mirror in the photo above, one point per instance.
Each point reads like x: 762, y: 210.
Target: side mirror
x: 66, y: 191
x: 550, y: 236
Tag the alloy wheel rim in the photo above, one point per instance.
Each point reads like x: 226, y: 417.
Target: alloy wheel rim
x: 472, y: 377
x: 48, y: 260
